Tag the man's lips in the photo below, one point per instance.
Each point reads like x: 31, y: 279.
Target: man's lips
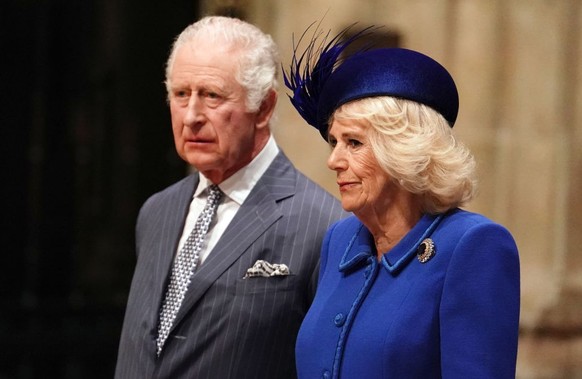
x: 198, y: 141
x: 198, y: 145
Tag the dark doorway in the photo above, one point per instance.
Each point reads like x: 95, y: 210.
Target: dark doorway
x: 86, y: 138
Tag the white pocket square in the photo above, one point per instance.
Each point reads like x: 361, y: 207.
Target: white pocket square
x: 266, y: 269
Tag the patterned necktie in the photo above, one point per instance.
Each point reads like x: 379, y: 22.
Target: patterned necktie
x: 185, y: 264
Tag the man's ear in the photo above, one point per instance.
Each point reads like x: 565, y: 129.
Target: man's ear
x: 266, y: 109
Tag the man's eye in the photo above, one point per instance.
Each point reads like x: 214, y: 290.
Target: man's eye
x: 212, y: 99
x: 181, y: 97
x: 181, y: 94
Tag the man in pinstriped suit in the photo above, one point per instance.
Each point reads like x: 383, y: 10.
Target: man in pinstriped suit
x: 259, y: 262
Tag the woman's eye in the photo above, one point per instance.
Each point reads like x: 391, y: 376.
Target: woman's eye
x: 332, y: 142
x: 354, y: 142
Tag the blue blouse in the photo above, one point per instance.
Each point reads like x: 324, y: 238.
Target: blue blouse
x: 454, y: 316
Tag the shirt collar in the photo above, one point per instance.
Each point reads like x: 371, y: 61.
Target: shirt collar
x: 240, y: 184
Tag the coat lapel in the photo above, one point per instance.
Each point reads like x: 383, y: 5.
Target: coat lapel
x: 175, y: 212
x: 259, y: 211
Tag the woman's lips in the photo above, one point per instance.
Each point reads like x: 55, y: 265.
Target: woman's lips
x: 344, y: 186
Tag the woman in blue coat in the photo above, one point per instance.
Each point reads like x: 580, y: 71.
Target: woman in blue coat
x: 410, y: 286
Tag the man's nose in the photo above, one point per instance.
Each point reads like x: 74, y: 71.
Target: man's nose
x: 194, y: 111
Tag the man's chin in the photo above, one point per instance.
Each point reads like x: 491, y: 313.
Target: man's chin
x: 203, y: 163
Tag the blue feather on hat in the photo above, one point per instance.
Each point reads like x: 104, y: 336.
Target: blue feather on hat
x: 310, y: 70
x: 321, y: 80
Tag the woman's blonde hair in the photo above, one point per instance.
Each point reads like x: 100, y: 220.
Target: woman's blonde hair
x: 415, y: 145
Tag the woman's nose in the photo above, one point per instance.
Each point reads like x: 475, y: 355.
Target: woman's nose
x: 336, y: 160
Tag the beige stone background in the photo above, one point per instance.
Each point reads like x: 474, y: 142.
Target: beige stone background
x: 518, y: 66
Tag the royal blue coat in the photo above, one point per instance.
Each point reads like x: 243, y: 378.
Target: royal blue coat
x: 454, y: 316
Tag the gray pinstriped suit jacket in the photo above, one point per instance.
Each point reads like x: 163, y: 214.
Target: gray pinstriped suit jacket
x: 228, y: 327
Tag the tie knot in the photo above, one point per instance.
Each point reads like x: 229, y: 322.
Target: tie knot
x: 214, y: 193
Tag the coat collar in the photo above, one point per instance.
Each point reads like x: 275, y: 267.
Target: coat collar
x: 361, y: 246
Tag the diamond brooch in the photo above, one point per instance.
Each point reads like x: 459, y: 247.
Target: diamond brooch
x: 425, y: 250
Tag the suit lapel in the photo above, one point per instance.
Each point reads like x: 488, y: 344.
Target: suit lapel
x: 175, y: 211
x: 259, y: 211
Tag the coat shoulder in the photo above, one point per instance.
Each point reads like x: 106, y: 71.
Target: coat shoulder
x: 459, y: 223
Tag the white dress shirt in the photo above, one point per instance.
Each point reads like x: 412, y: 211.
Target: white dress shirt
x: 236, y: 189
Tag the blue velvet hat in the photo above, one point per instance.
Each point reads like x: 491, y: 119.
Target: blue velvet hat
x: 321, y: 87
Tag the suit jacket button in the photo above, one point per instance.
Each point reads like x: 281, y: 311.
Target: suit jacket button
x: 339, y: 319
x: 326, y: 375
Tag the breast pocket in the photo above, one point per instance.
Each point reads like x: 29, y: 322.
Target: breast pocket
x: 259, y: 284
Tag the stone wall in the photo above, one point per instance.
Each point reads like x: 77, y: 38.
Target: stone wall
x: 518, y: 66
